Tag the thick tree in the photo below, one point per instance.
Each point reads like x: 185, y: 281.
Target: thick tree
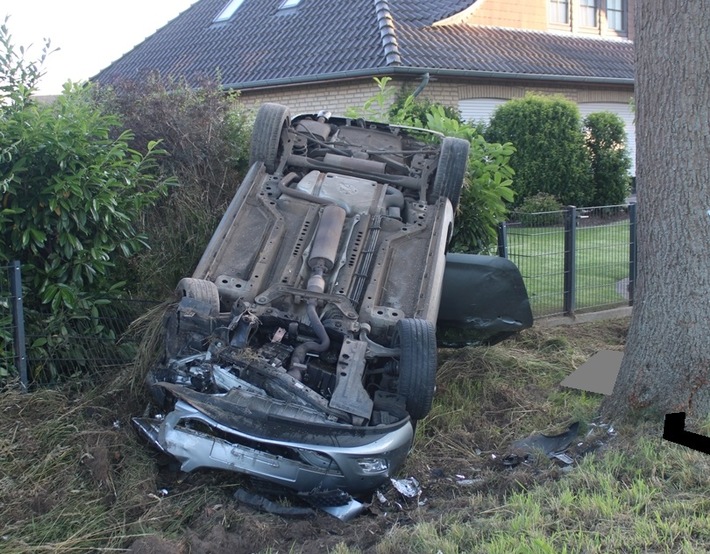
x: 666, y: 365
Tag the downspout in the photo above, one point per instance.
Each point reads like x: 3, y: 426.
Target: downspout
x: 424, y: 83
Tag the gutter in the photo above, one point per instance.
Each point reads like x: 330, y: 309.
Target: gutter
x: 394, y: 71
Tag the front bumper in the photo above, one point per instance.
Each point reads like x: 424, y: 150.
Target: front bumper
x: 198, y: 441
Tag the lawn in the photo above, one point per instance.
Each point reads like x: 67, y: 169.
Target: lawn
x: 76, y: 478
x: 602, y: 261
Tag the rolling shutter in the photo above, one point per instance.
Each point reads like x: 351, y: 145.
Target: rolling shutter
x: 479, y: 109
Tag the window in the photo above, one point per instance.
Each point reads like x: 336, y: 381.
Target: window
x: 616, y: 15
x: 559, y: 11
x: 588, y: 13
x: 289, y: 4
x: 228, y: 10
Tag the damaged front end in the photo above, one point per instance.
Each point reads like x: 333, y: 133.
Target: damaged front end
x: 237, y: 408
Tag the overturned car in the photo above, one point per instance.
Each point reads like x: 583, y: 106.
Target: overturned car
x: 302, y: 350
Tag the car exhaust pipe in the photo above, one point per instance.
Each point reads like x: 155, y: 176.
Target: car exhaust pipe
x: 324, y: 250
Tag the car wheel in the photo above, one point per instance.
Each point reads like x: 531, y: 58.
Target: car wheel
x: 450, y: 171
x: 271, y: 119
x: 199, y: 289
x: 416, y: 339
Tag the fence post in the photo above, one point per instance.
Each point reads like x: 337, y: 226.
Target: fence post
x: 632, y: 252
x: 18, y: 320
x: 570, y: 273
x: 503, y: 239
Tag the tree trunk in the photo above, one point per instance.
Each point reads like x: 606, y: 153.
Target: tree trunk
x: 666, y: 365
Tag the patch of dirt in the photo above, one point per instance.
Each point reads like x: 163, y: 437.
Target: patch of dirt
x: 153, y: 544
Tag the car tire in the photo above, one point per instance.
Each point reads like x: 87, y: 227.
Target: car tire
x: 271, y: 119
x: 416, y: 339
x: 200, y: 289
x: 450, y: 171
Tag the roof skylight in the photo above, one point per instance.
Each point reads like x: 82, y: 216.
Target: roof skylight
x: 228, y: 10
x: 289, y: 4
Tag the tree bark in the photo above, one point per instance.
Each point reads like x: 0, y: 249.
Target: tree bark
x: 666, y: 365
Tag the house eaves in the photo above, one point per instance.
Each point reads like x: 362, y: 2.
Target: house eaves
x: 420, y: 72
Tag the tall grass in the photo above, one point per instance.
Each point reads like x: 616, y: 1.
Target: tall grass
x: 75, y: 478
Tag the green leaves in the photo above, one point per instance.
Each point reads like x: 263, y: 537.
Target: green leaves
x: 485, y: 199
x: 72, y: 194
x: 550, y: 155
x: 18, y: 77
x: 606, y: 147
x: 71, y: 190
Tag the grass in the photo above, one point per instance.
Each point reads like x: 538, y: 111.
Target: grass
x: 602, y: 261
x: 606, y: 504
x: 75, y: 478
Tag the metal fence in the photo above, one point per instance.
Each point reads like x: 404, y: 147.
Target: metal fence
x: 41, y: 348
x: 12, y: 331
x: 574, y: 260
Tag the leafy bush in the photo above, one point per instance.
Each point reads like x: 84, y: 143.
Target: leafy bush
x: 485, y: 196
x: 539, y: 210
x: 488, y: 184
x: 206, y: 132
x: 379, y: 106
x: 71, y: 190
x: 610, y: 160
x: 550, y: 153
x: 419, y: 109
x: 70, y: 196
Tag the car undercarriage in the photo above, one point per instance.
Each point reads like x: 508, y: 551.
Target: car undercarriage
x: 302, y: 350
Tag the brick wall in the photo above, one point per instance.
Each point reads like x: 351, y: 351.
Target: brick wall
x: 532, y: 14
x: 339, y: 97
x: 335, y: 97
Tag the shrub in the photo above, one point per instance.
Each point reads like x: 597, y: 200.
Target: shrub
x: 484, y: 198
x: 71, y: 195
x: 609, y: 158
x: 419, y: 108
x: 71, y: 189
x: 539, y: 210
x: 206, y: 133
x: 550, y: 153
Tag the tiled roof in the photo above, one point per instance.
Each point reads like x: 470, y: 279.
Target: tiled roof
x: 262, y: 44
x: 514, y: 51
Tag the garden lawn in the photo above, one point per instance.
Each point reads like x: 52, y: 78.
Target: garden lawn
x: 602, y: 265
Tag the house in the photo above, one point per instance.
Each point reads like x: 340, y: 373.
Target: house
x: 471, y: 54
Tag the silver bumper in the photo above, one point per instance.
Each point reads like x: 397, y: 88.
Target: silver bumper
x: 303, y: 467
